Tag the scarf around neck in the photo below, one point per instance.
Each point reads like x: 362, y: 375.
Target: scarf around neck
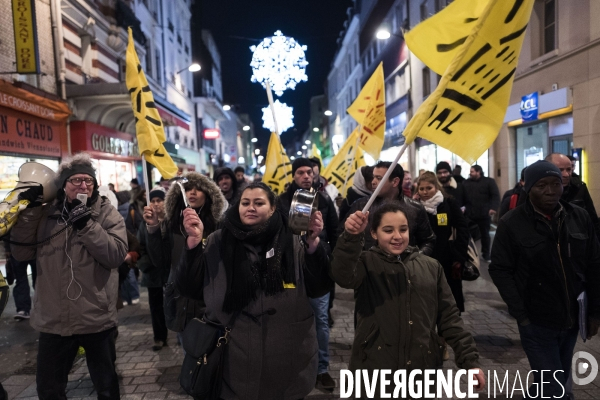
x: 359, y: 184
x: 431, y: 204
x: 275, y: 266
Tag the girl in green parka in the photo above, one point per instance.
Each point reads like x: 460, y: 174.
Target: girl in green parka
x: 403, y: 303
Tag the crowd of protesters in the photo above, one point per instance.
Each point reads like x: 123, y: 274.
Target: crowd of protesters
x: 220, y: 249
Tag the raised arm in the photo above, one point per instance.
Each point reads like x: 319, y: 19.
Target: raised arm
x: 347, y: 269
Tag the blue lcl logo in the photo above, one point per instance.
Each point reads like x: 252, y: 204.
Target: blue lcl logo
x: 529, y: 107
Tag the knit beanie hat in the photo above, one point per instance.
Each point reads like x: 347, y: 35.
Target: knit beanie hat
x: 443, y: 165
x: 160, y: 193
x: 538, y: 170
x: 301, y: 162
x: 223, y: 171
x: 80, y: 163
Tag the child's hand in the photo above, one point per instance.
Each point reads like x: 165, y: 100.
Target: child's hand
x: 357, y: 222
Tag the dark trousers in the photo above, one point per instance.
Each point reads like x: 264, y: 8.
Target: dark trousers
x: 157, y: 312
x: 549, y: 349
x: 484, y: 228
x: 55, y: 359
x: 21, y: 291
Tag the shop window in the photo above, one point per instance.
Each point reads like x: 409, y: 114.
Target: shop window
x: 531, y: 145
x: 149, y: 70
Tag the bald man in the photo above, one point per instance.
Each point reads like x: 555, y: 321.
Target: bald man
x: 574, y: 190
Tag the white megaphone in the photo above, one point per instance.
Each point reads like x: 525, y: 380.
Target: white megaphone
x: 30, y: 173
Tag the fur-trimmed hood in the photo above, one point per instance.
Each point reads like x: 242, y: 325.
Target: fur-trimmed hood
x: 219, y: 204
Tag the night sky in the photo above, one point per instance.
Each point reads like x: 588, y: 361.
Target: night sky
x: 236, y: 25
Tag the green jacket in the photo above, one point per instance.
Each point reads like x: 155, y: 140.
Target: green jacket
x: 400, y: 303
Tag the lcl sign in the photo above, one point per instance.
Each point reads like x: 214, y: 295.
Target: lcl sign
x: 211, y: 133
x: 529, y: 107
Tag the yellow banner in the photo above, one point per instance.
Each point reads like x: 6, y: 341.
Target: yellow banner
x: 148, y: 127
x: 316, y: 153
x: 26, y: 49
x: 278, y: 169
x: 341, y: 169
x: 437, y: 40
x: 466, y: 111
x: 369, y: 111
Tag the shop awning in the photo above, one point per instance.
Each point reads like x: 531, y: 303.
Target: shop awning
x: 170, y: 115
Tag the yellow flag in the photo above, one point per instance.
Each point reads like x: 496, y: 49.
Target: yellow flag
x: 343, y: 166
x: 437, y: 40
x: 369, y: 111
x: 278, y: 169
x: 466, y: 111
x: 148, y: 126
x: 316, y: 153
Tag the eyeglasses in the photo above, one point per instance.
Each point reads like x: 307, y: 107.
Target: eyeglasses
x: 77, y: 181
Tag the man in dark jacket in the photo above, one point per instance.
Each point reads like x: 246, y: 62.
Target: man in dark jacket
x: 545, y: 255
x: 574, y: 190
x: 225, y: 179
x: 302, y: 173
x: 421, y: 234
x: 449, y: 183
x: 482, y: 200
x: 514, y: 197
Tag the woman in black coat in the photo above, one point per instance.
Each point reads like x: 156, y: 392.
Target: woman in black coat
x: 445, y: 217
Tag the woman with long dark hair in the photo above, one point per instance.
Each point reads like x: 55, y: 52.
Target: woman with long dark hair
x: 256, y: 270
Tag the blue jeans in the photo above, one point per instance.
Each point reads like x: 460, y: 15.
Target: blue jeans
x: 22, y: 292
x: 549, y: 349
x: 130, y: 289
x: 320, y: 306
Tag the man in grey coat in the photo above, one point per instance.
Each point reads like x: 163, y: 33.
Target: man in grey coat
x: 76, y: 290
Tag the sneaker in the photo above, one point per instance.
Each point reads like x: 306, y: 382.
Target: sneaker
x: 21, y: 315
x: 158, y: 344
x: 325, y: 381
x: 135, y: 301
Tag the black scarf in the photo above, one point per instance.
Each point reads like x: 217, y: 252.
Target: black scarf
x: 245, y: 278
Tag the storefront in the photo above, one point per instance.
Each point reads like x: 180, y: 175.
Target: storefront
x: 540, y: 125
x: 115, y: 154
x: 32, y: 128
x: 430, y: 154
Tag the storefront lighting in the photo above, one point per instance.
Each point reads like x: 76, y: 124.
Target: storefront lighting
x: 211, y: 133
x: 337, y: 139
x: 260, y: 159
x: 246, y: 128
x: 176, y: 146
x: 226, y: 107
x: 254, y: 140
x: 328, y: 113
x: 241, y: 160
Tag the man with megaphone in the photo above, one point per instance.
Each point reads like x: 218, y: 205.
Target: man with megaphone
x: 81, y: 241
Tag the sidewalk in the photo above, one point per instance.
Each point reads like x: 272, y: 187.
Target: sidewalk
x: 154, y: 375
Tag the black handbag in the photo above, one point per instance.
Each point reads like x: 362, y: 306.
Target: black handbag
x: 204, y: 343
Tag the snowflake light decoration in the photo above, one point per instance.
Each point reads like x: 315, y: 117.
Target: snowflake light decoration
x: 280, y: 60
x: 284, y: 114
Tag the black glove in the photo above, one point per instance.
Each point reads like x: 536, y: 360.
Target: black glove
x: 80, y: 214
x: 34, y: 195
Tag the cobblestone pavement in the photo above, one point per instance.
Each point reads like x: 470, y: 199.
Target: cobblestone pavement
x: 146, y: 374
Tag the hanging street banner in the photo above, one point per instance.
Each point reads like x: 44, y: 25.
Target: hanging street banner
x: 278, y: 168
x: 343, y: 166
x: 149, y: 129
x: 26, y: 43
x: 466, y: 111
x: 369, y: 111
x: 316, y: 154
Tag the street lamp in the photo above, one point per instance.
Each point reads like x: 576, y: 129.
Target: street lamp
x: 246, y: 128
x: 304, y: 147
x: 307, y: 141
x: 253, y: 140
x: 195, y: 67
x: 315, y: 129
x: 328, y: 113
x: 226, y: 107
x: 383, y: 34
x: 257, y: 151
x: 299, y: 153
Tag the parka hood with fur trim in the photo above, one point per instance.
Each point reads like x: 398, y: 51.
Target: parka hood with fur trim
x: 219, y: 204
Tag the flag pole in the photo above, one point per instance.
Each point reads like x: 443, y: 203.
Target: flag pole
x: 146, y: 179
x: 272, y: 105
x: 385, y: 178
x: 353, y: 159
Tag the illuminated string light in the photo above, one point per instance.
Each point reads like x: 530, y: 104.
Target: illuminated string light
x: 284, y: 114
